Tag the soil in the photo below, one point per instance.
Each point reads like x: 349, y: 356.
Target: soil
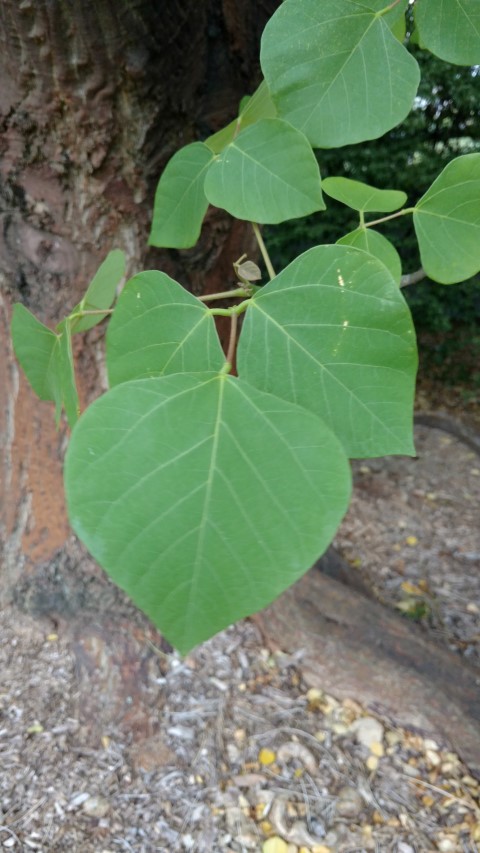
x: 236, y: 748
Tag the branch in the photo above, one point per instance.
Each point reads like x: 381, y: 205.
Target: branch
x: 412, y: 277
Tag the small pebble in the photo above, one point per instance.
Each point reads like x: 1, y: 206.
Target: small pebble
x: 96, y: 806
x: 368, y: 730
x: 432, y: 757
x: 349, y: 802
x: 446, y: 845
x: 275, y: 845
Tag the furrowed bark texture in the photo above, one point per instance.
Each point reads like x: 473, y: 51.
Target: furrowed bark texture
x: 94, y: 99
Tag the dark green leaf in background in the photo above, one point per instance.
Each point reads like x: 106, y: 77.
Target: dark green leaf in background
x: 180, y: 202
x: 336, y: 71
x: 332, y: 332
x: 447, y: 222
x: 158, y: 328
x: 267, y: 174
x: 203, y: 497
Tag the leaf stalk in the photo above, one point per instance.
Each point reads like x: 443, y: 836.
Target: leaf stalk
x: 263, y: 250
x: 237, y: 293
x: 390, y: 216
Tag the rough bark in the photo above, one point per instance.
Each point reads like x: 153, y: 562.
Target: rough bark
x: 94, y: 99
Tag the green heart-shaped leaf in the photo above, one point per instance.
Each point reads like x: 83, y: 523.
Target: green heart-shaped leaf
x: 267, y: 174
x: 101, y: 291
x: 47, y: 361
x: 333, y: 333
x: 203, y: 498
x: 159, y: 328
x: 447, y: 222
x: 35, y: 348
x: 180, y: 202
x: 360, y: 196
x: 336, y: 71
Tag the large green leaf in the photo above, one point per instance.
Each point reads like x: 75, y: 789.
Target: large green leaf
x: 180, y: 202
x: 450, y: 29
x: 447, y: 222
x: 101, y: 291
x: 333, y: 333
x: 378, y: 245
x: 360, y: 196
x: 336, y: 71
x: 203, y: 498
x: 159, y: 328
x: 267, y: 174
x: 47, y: 360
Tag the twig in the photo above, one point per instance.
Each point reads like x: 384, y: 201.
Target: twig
x: 412, y: 277
x: 442, y: 791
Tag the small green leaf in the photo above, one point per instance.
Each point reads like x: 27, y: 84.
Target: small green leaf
x: 450, y: 29
x: 47, y: 361
x: 378, y: 246
x: 35, y: 347
x: 159, y: 328
x: 447, y: 222
x: 336, y: 71
x: 360, y: 196
x: 259, y: 106
x: 218, y: 141
x: 180, y: 202
x: 66, y: 394
x: 268, y: 174
x: 202, y: 497
x: 101, y: 291
x: 252, y: 108
x: 333, y: 333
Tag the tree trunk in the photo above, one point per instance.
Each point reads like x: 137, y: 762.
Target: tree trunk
x: 94, y: 99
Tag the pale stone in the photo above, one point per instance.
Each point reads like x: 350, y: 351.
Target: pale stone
x: 367, y: 731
